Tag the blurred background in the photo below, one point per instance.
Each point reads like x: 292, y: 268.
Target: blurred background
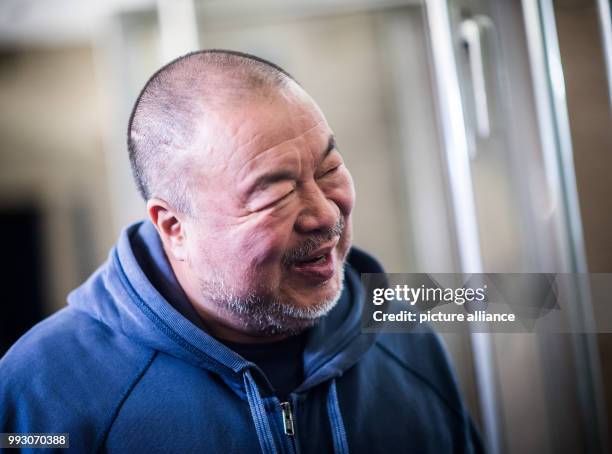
x: 478, y: 133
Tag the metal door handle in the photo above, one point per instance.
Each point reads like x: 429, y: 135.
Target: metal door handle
x: 472, y: 31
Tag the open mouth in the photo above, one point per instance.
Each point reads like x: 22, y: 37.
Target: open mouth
x: 319, y: 267
x: 318, y: 259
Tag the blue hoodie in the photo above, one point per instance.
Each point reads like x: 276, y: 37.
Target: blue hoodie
x: 121, y: 370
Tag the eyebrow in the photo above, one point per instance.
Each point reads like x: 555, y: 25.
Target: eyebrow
x: 331, y: 146
x: 284, y: 175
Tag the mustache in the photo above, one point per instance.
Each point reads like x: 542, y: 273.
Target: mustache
x: 312, y: 243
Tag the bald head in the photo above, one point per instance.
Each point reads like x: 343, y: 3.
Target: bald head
x: 175, y: 100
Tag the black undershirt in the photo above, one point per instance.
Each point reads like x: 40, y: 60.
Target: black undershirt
x: 280, y: 361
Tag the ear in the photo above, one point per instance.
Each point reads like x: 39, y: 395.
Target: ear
x: 170, y: 226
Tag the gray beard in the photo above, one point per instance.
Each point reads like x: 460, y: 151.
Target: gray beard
x: 267, y: 315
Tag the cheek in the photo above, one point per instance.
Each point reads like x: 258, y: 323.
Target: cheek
x: 342, y: 191
x: 206, y: 249
x: 266, y: 240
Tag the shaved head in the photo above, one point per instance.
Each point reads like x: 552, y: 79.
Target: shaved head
x: 165, y: 117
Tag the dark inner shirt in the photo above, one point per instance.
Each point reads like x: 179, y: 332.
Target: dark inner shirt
x: 281, y: 361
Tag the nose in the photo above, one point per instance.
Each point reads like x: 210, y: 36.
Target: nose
x: 318, y: 214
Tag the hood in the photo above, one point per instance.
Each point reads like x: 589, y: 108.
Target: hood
x: 120, y: 295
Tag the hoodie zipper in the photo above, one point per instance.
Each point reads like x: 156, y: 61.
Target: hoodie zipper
x: 287, y: 418
x: 288, y: 425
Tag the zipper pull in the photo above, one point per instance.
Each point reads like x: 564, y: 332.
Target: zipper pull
x: 287, y: 418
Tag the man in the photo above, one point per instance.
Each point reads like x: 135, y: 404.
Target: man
x: 230, y: 320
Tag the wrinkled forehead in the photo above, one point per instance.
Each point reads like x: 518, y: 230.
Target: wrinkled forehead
x: 260, y: 129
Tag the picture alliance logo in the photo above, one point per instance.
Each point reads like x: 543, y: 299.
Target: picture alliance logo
x: 415, y: 295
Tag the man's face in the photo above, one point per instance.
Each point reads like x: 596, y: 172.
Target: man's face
x: 272, y: 226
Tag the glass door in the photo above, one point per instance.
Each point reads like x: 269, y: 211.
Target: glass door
x: 513, y: 192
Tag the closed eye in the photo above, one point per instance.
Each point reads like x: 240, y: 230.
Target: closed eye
x: 286, y: 195
x: 330, y: 171
x: 276, y: 201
